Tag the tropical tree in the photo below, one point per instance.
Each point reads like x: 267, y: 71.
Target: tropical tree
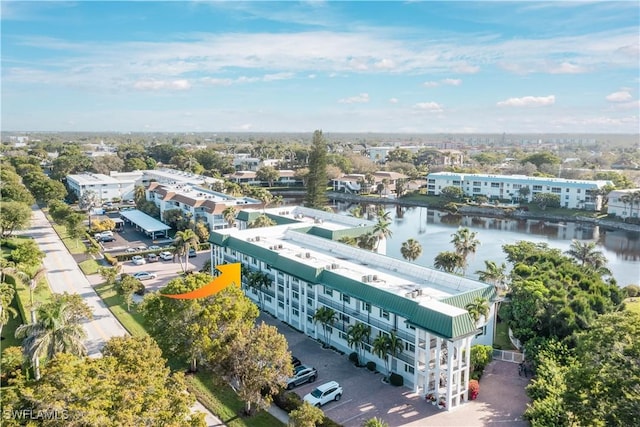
x: 74, y: 226
x: 89, y: 200
x: 183, y: 241
x: 387, y: 346
x: 258, y: 365
x: 229, y: 215
x: 494, y: 274
x: 357, y: 337
x: 14, y: 216
x: 465, y: 243
x: 327, y: 317
x: 478, y: 308
x: 411, y: 250
x: 523, y: 192
x: 139, y: 194
x: 448, y: 261
x: 259, y: 281
x: 367, y: 241
x: 375, y: 422
x: 588, y: 256
x: 55, y: 331
x: 262, y: 221
x: 6, y: 311
x: 127, y: 286
x: 306, y: 415
x: 269, y: 174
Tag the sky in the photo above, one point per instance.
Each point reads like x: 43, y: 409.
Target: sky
x: 339, y: 66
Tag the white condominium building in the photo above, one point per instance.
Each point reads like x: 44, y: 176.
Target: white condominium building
x: 309, y: 269
x: 574, y: 193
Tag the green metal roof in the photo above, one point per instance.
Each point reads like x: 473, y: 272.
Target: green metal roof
x: 461, y: 300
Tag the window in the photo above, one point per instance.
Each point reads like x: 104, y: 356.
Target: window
x: 309, y: 302
x: 476, y: 183
x: 413, y: 328
x: 409, y: 347
x: 267, y: 298
x: 537, y: 188
x: 346, y: 298
x: 310, y: 319
x: 280, y: 288
x: 295, y: 312
x: 295, y: 295
x: 578, y: 191
x: 328, y: 291
x: 344, y: 318
x: 567, y: 190
x: 366, y: 306
x: 343, y: 336
x: 516, y: 186
x: 556, y: 190
x: 281, y: 304
x: 495, y: 185
x: 408, y: 369
x: 477, y: 189
x: 566, y: 197
x: 384, y: 314
x: 456, y: 182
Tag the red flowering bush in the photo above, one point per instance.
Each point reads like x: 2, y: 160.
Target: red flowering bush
x: 474, y: 389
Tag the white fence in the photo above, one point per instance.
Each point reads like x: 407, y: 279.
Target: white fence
x: 508, y: 356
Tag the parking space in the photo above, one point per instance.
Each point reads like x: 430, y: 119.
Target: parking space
x: 366, y: 396
x: 130, y: 238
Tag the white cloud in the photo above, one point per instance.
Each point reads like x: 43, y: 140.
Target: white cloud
x: 528, y: 101
x: 277, y: 76
x: 181, y: 84
x: 311, y: 76
x: 465, y: 68
x: 393, y: 100
x: 358, y: 99
x: 567, y: 68
x: 430, y: 84
x: 385, y: 64
x: 452, y: 82
x: 620, y: 96
x: 432, y: 107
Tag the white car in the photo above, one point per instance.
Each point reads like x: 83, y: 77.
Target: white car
x: 324, y: 394
x: 144, y: 275
x: 154, y: 248
x: 167, y: 256
x: 138, y: 260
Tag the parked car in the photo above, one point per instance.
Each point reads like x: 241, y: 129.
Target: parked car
x: 144, y: 275
x: 154, y: 248
x: 138, y: 260
x: 141, y: 247
x: 99, y: 236
x: 152, y: 258
x: 324, y: 394
x: 131, y: 250
x: 192, y: 253
x: 302, y: 374
x: 167, y: 256
x: 107, y: 239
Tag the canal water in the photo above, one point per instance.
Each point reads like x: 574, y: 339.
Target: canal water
x: 433, y: 229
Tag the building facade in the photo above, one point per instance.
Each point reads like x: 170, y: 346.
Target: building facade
x: 624, y: 203
x: 573, y: 193
x: 106, y: 187
x: 309, y: 269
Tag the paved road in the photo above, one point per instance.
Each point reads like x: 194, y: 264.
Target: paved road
x: 64, y: 275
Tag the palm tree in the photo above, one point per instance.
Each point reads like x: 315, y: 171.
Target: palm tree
x: 477, y: 308
x: 588, y: 256
x: 262, y: 221
x: 327, y: 317
x: 382, y: 230
x: 229, y: 215
x: 411, y: 250
x: 55, y: 332
x: 375, y: 422
x: 386, y: 347
x: 448, y: 261
x: 465, y: 243
x: 348, y: 240
x: 32, y: 278
x: 357, y: 335
x: 183, y: 241
x: 139, y: 194
x: 494, y: 274
x: 367, y: 241
x: 258, y: 281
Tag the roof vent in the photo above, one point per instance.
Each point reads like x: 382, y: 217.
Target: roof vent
x: 334, y: 266
x: 365, y: 279
x: 307, y: 255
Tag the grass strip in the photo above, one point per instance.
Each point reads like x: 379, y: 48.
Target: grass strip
x: 89, y: 266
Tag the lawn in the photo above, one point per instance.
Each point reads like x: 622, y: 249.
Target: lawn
x: 8, y: 330
x: 89, y: 266
x: 41, y: 294
x: 633, y: 304
x: 501, y: 340
x: 74, y: 246
x: 224, y: 402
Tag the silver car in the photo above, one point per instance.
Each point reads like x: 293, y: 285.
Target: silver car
x: 302, y: 374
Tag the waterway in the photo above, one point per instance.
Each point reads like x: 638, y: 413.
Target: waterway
x: 433, y: 229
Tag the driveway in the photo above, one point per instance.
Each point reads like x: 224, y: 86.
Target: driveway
x: 64, y: 275
x: 165, y: 270
x: 501, y: 401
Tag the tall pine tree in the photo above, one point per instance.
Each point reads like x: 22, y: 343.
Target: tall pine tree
x: 317, y: 182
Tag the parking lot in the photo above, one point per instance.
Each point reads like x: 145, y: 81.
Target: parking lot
x: 130, y: 238
x: 502, y: 399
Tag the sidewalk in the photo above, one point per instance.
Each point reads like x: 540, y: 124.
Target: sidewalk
x: 64, y: 275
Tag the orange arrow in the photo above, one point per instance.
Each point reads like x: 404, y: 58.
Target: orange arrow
x: 230, y: 276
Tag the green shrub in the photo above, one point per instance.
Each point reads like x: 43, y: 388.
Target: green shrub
x: 353, y: 357
x: 111, y: 259
x: 93, y: 241
x: 371, y: 366
x: 328, y: 422
x: 287, y: 401
x: 396, y: 380
x: 632, y: 290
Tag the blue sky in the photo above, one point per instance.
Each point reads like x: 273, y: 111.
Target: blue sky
x: 415, y: 67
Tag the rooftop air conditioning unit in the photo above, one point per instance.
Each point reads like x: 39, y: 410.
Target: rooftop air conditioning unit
x: 334, y: 266
x: 375, y: 277
x: 270, y: 248
x: 280, y: 246
x: 328, y: 267
x: 365, y: 279
x: 249, y: 239
x: 308, y: 255
x: 257, y: 238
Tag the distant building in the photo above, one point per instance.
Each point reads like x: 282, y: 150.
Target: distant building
x: 310, y: 269
x: 574, y: 193
x: 245, y: 162
x: 199, y: 203
x: 624, y: 203
x: 286, y: 177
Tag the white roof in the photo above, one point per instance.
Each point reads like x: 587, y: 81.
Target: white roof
x: 144, y: 221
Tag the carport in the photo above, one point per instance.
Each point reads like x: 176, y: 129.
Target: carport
x: 145, y: 223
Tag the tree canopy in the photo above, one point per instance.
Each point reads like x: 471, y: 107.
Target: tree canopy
x: 317, y: 179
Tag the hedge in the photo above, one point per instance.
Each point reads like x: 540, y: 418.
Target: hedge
x: 396, y: 380
x: 111, y: 259
x: 93, y: 241
x: 353, y: 357
x: 10, y: 279
x: 371, y: 366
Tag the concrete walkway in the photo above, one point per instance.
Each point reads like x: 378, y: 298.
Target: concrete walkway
x: 64, y: 275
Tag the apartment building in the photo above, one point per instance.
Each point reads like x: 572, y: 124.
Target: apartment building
x: 574, y: 193
x: 200, y: 203
x: 286, y: 177
x: 624, y: 203
x: 310, y: 269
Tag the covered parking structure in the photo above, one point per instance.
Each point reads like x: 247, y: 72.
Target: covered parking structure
x: 145, y: 223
